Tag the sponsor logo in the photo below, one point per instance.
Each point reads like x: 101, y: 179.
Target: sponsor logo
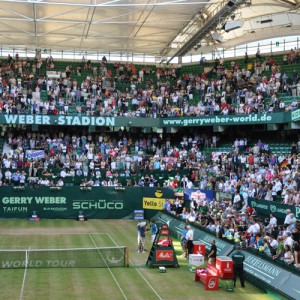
x: 59, y: 120
x: 164, y: 255
x: 227, y: 270
x: 11, y: 264
x: 158, y: 193
x: 153, y: 203
x: 212, y: 283
x: 100, y: 204
x: 296, y: 115
x: 164, y: 232
x: 273, y: 208
x: 112, y: 259
x: 32, y: 200
x: 216, y: 120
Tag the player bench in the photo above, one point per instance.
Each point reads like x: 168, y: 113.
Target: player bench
x: 208, y: 276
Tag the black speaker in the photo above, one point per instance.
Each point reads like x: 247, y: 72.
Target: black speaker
x: 230, y: 4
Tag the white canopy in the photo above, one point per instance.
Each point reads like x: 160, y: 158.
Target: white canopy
x: 134, y: 26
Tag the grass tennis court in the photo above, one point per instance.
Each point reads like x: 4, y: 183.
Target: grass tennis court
x: 135, y: 282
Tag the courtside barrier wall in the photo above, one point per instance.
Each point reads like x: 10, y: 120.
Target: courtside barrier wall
x: 265, y: 208
x: 261, y: 270
x: 92, y: 202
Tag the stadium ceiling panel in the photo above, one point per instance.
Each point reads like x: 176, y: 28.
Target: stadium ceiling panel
x: 152, y: 27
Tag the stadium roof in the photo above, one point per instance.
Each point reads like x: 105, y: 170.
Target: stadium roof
x: 152, y: 27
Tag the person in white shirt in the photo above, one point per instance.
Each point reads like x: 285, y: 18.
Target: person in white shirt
x: 254, y: 228
x: 236, y: 198
x: 272, y: 222
x: 273, y: 245
x: 278, y: 186
x: 189, y: 184
x: 190, y: 238
x: 287, y: 219
x: 63, y: 173
x: 287, y: 240
x: 191, y: 217
x: 60, y: 183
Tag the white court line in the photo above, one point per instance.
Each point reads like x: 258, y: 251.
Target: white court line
x: 24, y: 276
x: 111, y: 273
x: 53, y: 233
x: 151, y: 287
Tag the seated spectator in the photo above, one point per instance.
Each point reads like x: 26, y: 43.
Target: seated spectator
x: 266, y: 247
x: 273, y: 243
x: 297, y: 255
x: 288, y: 257
x: 280, y: 249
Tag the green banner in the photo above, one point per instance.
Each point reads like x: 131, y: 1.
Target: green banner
x: 57, y: 120
x: 67, y: 202
x: 77, y: 120
x: 272, y: 118
x: 265, y: 207
x: 271, y: 274
x: 176, y: 228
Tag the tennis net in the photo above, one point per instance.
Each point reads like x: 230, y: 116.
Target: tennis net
x: 97, y: 257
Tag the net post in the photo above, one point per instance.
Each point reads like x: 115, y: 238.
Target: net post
x: 127, y: 256
x: 26, y: 259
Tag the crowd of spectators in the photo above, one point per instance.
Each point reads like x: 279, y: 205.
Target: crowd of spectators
x: 164, y: 91
x: 126, y: 158
x: 244, y: 227
x: 106, y: 159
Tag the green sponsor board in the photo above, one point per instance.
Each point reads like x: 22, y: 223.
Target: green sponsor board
x: 97, y: 202
x: 266, y: 272
x: 295, y: 115
x: 265, y: 207
x: 77, y: 120
x: 57, y: 120
x: 272, y: 118
x: 176, y: 228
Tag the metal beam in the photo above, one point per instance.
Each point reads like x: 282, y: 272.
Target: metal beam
x: 111, y: 4
x: 223, y: 10
x: 288, y: 2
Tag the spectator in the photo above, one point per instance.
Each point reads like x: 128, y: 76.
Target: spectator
x: 288, y: 257
x: 297, y: 255
x: 189, y: 240
x: 280, y: 249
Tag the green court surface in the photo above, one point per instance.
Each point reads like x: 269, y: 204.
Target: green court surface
x: 134, y: 282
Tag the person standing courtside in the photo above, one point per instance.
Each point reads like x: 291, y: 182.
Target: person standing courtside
x: 183, y: 242
x: 238, y: 265
x: 141, y: 227
x: 189, y: 240
x: 212, y: 253
x: 153, y: 230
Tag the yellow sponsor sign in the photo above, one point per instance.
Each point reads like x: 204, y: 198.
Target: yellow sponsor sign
x: 153, y: 203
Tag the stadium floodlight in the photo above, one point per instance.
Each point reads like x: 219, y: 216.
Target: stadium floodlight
x: 204, y: 27
x: 266, y: 21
